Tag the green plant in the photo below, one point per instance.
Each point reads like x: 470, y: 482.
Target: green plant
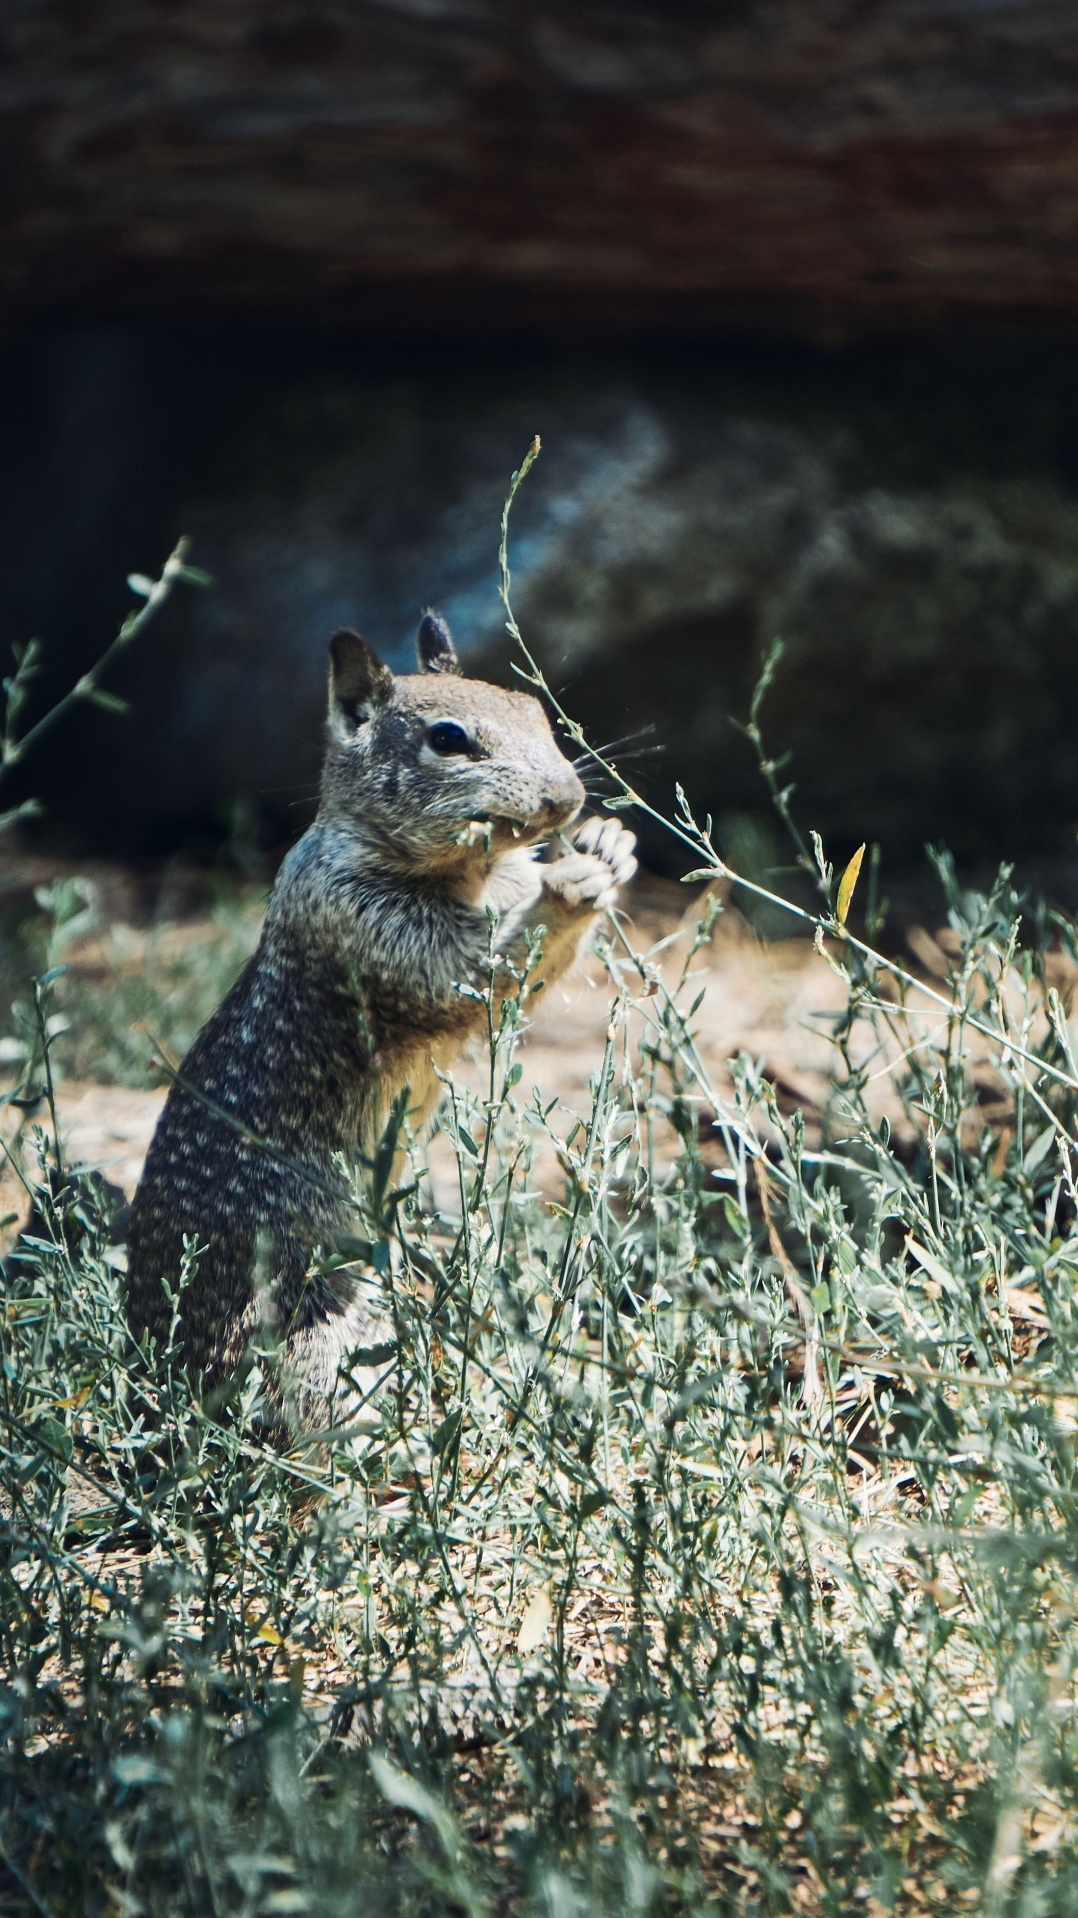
x: 710, y: 1544
x: 30, y: 945
x: 15, y: 745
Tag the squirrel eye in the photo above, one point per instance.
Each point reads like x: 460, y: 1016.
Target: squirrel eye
x: 447, y: 737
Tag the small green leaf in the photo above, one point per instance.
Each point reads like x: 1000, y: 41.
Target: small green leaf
x: 56, y: 1438
x: 352, y: 1248
x: 593, y: 1503
x: 846, y: 885
x: 1039, y: 1150
x: 108, y: 702
x: 139, y: 584
x: 29, y: 809
x: 929, y: 1263
x: 398, y: 1789
x: 447, y: 1434
x: 373, y: 1354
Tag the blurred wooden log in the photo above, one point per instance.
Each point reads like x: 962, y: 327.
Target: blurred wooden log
x: 459, y: 163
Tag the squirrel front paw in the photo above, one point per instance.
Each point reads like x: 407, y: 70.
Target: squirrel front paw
x: 587, y: 879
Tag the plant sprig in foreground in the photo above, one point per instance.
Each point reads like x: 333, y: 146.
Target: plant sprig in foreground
x: 710, y: 1546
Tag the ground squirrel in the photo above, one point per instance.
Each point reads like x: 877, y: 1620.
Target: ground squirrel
x: 437, y: 792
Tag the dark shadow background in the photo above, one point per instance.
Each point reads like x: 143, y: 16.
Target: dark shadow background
x: 792, y: 302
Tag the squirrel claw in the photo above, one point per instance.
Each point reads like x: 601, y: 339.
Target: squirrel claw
x: 611, y: 842
x: 604, y: 860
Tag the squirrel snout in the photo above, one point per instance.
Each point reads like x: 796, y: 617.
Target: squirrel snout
x: 563, y: 797
x: 559, y: 807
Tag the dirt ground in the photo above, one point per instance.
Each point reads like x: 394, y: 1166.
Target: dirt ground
x: 776, y: 1001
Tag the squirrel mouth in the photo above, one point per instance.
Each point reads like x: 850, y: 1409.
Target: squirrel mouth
x: 491, y: 832
x: 515, y: 826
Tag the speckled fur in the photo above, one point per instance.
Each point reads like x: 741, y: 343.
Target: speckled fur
x: 379, y: 914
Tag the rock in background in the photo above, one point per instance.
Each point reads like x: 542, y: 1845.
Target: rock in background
x: 906, y: 520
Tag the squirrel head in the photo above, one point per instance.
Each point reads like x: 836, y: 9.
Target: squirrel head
x: 443, y: 772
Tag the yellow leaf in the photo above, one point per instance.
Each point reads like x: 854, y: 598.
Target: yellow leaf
x: 270, y: 1634
x: 846, y: 885
x: 536, y: 1621
x: 945, y: 1599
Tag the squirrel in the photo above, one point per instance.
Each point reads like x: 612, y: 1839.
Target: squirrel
x: 437, y: 793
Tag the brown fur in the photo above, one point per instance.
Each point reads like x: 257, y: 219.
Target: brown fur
x: 379, y: 914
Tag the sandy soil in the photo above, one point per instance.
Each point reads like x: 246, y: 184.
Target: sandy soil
x: 774, y: 1001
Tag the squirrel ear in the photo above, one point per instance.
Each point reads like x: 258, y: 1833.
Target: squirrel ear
x: 437, y: 653
x: 357, y: 677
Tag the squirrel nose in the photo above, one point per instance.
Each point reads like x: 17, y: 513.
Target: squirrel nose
x: 563, y: 802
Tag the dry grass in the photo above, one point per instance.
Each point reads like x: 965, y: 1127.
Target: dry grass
x: 711, y: 1543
